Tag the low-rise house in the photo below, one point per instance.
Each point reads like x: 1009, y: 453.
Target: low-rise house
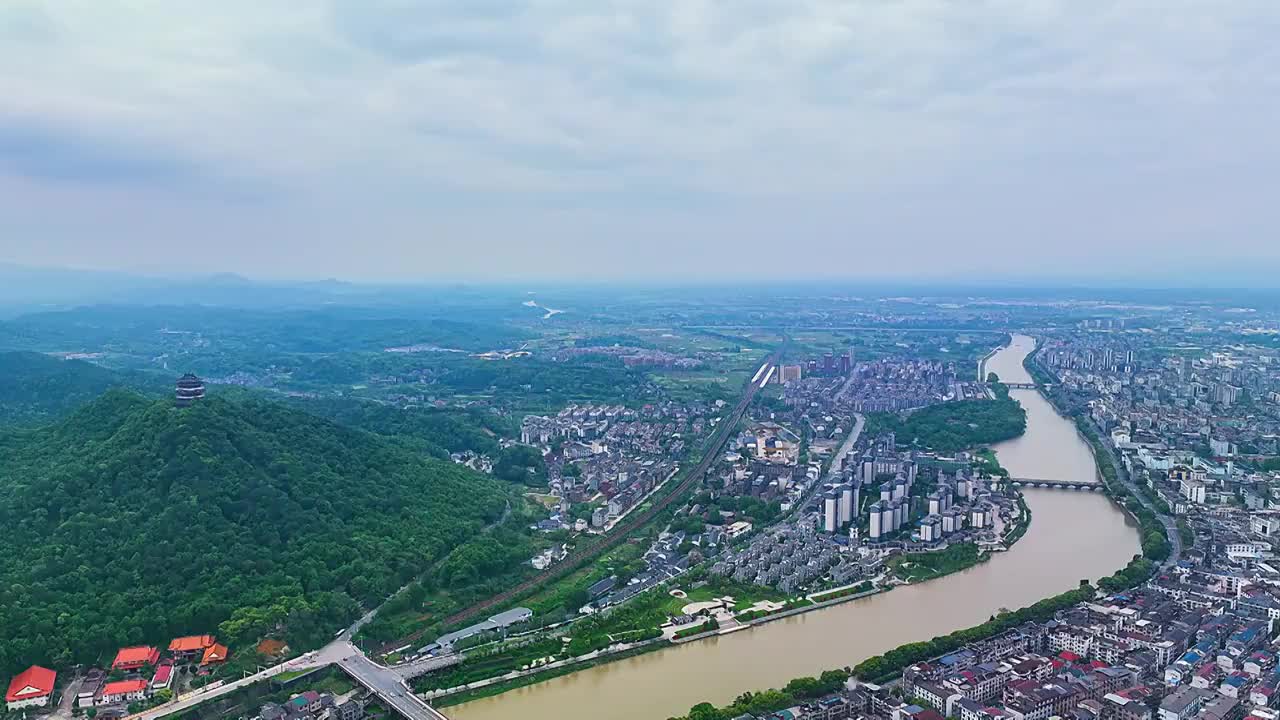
x: 163, y: 677
x: 981, y: 683
x: 934, y: 695
x: 1033, y: 667
x: 1183, y: 704
x: 309, y: 701
x: 311, y: 705
x: 1030, y: 700
x: 965, y: 709
x: 915, y: 712
x: 89, y: 688
x: 123, y: 691
x: 1219, y: 708
x: 30, y: 688
x: 352, y: 709
x: 1263, y: 693
x: 832, y: 707
x: 1258, y: 663
x: 1206, y: 676
x: 1233, y: 685
x: 1128, y: 704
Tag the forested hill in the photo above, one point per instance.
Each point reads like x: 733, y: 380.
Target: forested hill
x: 37, y: 388
x: 954, y: 426
x: 133, y: 521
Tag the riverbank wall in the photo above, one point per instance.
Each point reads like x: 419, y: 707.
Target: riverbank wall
x: 1033, y: 369
x: 1122, y: 478
x: 982, y: 364
x: 783, y: 614
x: 498, y: 684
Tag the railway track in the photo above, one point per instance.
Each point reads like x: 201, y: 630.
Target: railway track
x: 589, y: 553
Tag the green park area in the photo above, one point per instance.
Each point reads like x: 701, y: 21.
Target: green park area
x: 917, y: 567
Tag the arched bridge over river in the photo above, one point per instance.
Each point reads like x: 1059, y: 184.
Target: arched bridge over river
x: 1056, y: 484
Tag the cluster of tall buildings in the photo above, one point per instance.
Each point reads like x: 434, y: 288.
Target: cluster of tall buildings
x: 838, y: 505
x: 829, y: 365
x: 1087, y: 357
x: 959, y: 500
x: 893, y: 385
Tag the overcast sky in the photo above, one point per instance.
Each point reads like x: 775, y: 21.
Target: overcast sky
x: 477, y: 139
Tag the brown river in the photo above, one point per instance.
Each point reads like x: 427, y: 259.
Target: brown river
x: 1074, y: 535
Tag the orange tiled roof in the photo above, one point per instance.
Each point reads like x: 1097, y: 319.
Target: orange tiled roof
x: 123, y: 687
x: 271, y: 647
x: 35, y: 681
x: 140, y: 655
x: 216, y: 653
x: 191, y: 643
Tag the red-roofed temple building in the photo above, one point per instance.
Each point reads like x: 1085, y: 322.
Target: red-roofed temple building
x: 135, y: 658
x: 192, y: 647
x: 123, y: 691
x: 32, y: 687
x: 215, y: 654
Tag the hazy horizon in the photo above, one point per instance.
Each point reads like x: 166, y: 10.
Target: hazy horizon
x: 1261, y: 280
x: 395, y: 141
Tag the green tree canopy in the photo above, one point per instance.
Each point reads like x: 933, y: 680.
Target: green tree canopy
x: 133, y: 521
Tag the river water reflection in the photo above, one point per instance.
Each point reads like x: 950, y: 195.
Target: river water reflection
x: 1074, y: 535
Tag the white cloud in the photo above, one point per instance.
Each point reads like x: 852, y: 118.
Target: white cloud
x: 840, y: 108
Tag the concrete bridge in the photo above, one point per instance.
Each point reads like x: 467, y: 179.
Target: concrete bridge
x: 1025, y: 386
x: 389, y: 684
x: 1056, y: 484
x: 391, y: 688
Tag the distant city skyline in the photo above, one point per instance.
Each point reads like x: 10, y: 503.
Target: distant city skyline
x: 386, y: 140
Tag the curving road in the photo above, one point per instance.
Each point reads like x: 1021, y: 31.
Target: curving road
x: 1170, y: 524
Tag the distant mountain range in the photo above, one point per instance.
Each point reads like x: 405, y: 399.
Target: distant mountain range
x: 23, y: 288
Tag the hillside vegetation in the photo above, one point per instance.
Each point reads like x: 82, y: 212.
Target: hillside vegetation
x: 954, y: 426
x: 37, y: 388
x: 133, y: 521
x: 442, y: 430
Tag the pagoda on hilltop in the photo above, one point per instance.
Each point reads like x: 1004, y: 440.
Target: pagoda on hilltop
x: 190, y: 389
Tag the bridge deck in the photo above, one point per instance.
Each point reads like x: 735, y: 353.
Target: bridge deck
x: 1061, y: 484
x: 390, y: 688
